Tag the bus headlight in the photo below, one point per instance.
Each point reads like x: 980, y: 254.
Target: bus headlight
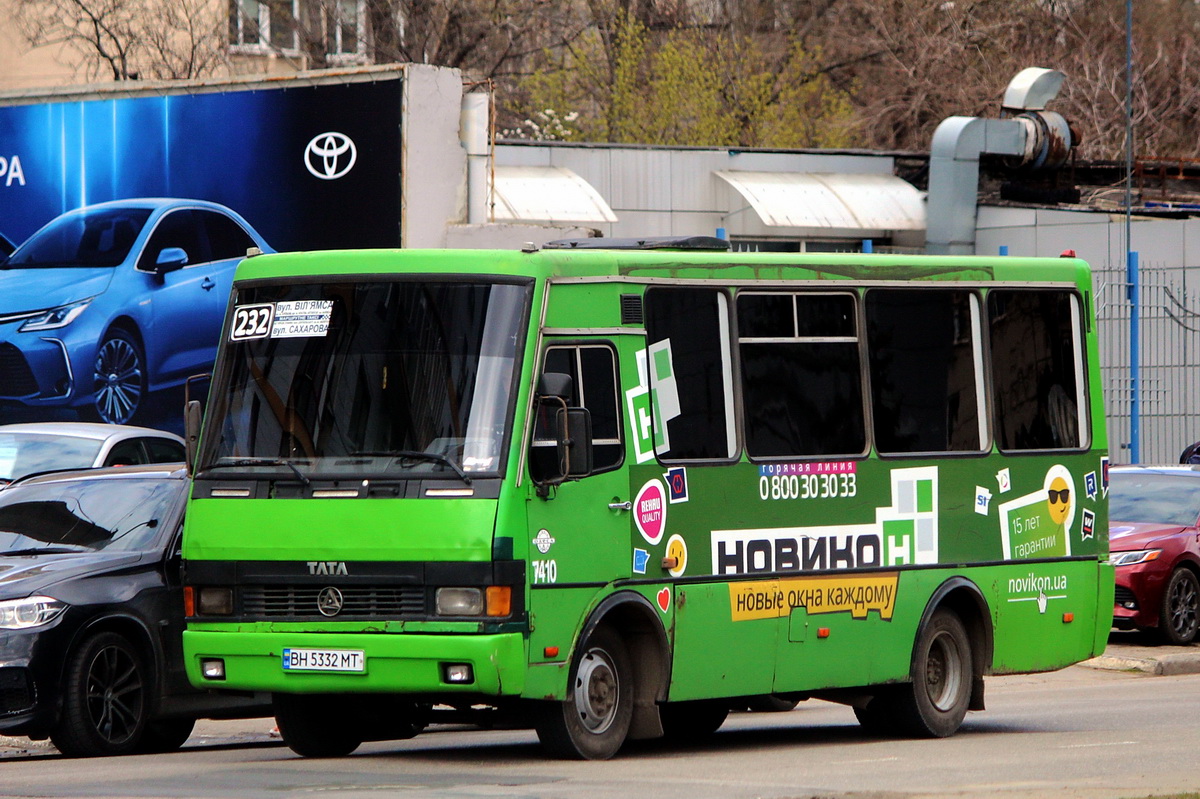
x: 215, y: 602
x: 459, y: 602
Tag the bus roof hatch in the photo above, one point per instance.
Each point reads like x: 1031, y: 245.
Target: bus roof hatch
x: 652, y: 243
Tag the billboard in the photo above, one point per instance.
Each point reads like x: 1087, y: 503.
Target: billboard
x: 106, y: 312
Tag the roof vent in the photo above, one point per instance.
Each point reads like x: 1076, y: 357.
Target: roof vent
x: 631, y: 309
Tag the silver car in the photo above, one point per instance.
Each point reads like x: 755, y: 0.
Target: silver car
x: 50, y: 446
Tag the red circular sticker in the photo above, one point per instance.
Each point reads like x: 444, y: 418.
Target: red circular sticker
x: 650, y: 511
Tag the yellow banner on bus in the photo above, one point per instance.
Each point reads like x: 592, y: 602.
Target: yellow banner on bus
x: 856, y: 594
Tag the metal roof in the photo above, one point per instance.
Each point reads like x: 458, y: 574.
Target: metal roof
x: 830, y: 201
x: 547, y: 194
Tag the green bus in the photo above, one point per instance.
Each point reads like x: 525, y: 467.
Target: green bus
x: 612, y: 489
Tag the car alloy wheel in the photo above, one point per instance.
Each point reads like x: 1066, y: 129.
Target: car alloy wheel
x: 120, y: 378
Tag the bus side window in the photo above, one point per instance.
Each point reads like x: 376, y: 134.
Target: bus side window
x: 1037, y: 369
x: 926, y: 362
x: 593, y: 372
x: 691, y: 373
x: 801, y: 375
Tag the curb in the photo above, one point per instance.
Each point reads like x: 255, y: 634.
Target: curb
x: 1160, y: 666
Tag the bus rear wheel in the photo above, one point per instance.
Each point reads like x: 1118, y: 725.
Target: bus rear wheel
x: 593, y: 721
x: 314, y: 726
x: 934, y: 704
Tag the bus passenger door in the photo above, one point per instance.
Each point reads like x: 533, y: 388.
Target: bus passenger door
x: 579, y: 528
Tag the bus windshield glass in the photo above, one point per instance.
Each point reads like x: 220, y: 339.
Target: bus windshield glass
x: 362, y: 379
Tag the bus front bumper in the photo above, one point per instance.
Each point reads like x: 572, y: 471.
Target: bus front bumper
x: 390, y: 663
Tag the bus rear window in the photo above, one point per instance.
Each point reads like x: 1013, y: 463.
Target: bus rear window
x: 1037, y: 369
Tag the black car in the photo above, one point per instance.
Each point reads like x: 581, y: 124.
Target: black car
x: 91, y: 614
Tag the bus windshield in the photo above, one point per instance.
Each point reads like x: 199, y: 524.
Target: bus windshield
x: 378, y: 378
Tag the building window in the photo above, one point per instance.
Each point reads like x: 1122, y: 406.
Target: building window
x: 344, y: 23
x: 264, y: 24
x: 259, y: 26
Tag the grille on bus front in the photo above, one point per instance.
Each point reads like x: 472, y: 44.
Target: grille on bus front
x: 280, y: 601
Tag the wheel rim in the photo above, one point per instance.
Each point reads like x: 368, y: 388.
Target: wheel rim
x: 597, y: 691
x: 114, y: 694
x: 118, y: 377
x: 1183, y: 603
x: 943, y: 672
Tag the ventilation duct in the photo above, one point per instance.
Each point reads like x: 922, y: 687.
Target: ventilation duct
x: 1034, y: 137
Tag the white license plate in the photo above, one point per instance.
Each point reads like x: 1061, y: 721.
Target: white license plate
x: 324, y: 660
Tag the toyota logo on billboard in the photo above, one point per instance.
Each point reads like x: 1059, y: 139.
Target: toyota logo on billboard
x: 330, y: 155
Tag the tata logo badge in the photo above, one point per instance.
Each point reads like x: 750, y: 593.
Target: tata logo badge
x: 330, y: 155
x: 327, y: 567
x: 543, y: 541
x: 330, y: 601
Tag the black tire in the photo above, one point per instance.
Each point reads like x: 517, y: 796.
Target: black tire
x: 105, y: 699
x: 934, y: 704
x: 119, y: 378
x: 687, y: 722
x: 593, y: 720
x: 1178, y: 616
x: 314, y: 726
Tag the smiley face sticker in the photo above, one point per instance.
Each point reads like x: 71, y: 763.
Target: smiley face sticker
x: 677, y: 549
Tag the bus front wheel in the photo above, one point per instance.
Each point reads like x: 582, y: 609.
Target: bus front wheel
x: 935, y: 703
x: 593, y: 720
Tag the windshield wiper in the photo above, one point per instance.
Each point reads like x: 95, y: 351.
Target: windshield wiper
x: 39, y: 551
x: 416, y: 455
x: 263, y: 462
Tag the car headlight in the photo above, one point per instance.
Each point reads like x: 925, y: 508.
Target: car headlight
x: 1130, y: 558
x: 55, y: 318
x: 34, y: 611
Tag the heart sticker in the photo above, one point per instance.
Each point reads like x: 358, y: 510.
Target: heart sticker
x: 664, y: 599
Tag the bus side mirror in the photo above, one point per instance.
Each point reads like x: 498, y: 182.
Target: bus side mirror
x: 573, y: 435
x: 571, y: 429
x: 554, y: 385
x: 191, y: 425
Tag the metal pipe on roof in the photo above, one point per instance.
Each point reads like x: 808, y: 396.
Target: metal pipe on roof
x: 1039, y: 138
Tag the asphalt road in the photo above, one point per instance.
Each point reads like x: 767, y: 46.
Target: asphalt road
x: 1108, y: 732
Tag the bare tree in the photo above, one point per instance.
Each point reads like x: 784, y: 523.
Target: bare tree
x: 126, y: 39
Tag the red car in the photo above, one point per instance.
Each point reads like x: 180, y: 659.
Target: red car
x: 1154, y: 540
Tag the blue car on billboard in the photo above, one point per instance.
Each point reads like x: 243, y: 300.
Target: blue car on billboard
x: 111, y: 301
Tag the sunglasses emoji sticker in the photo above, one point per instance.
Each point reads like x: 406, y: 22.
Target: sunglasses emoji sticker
x: 1058, y: 497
